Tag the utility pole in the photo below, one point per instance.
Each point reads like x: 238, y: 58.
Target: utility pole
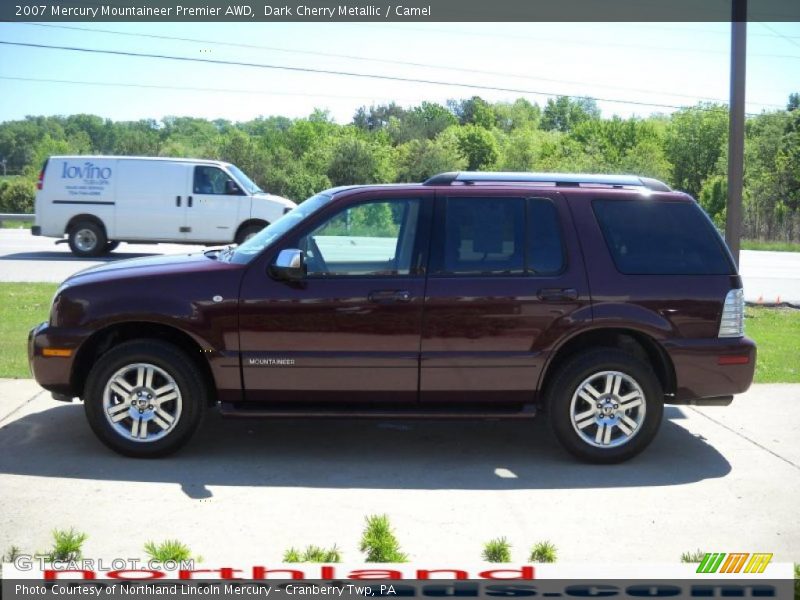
x: 733, y: 222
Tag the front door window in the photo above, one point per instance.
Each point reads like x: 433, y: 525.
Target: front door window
x: 367, y: 239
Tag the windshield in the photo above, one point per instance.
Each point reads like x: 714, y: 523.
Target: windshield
x: 245, y: 252
x: 249, y: 186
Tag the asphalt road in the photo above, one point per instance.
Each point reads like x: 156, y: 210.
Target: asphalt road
x: 768, y: 276
x: 718, y: 479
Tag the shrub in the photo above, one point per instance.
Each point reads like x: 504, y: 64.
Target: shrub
x: 11, y: 554
x: 497, y: 551
x: 16, y: 196
x: 379, y: 543
x: 67, y: 545
x: 692, y: 557
x: 543, y: 552
x: 312, y: 554
x: 168, y: 550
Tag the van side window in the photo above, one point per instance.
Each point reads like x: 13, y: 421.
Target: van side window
x: 211, y: 180
x: 484, y: 236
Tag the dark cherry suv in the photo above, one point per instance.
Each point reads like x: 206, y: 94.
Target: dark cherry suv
x: 595, y: 299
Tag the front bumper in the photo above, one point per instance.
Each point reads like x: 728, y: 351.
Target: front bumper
x: 54, y: 373
x: 706, y: 371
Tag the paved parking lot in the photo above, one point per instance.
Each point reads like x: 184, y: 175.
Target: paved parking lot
x: 243, y: 491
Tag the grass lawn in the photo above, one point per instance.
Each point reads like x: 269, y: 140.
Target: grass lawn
x: 23, y: 305
x: 17, y: 224
x: 777, y: 333
x: 774, y: 246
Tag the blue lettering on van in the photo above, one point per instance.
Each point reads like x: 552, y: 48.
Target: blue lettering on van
x: 87, y: 171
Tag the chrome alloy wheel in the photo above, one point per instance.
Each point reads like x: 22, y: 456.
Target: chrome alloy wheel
x: 607, y: 409
x: 85, y: 240
x: 142, y: 402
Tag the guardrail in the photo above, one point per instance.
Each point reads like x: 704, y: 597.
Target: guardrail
x: 13, y: 217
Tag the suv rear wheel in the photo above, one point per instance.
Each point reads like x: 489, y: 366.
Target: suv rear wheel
x: 145, y: 398
x: 605, y: 405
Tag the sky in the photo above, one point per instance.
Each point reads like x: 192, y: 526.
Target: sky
x: 654, y: 63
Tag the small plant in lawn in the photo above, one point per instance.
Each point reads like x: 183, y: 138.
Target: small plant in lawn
x: 379, y: 543
x: 497, y: 550
x: 168, y: 550
x: 543, y: 552
x: 313, y: 554
x: 796, y: 581
x: 11, y: 554
x: 692, y: 557
x: 67, y: 544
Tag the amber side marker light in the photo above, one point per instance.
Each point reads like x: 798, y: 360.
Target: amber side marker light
x: 62, y: 352
x: 733, y: 360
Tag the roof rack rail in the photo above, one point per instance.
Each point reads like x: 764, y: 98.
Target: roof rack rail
x: 557, y: 179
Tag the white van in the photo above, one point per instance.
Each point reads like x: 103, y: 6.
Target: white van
x: 99, y: 201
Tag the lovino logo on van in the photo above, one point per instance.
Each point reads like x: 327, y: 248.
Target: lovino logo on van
x: 86, y: 171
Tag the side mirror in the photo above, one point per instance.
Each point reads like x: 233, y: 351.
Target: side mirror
x: 289, y: 266
x: 231, y: 189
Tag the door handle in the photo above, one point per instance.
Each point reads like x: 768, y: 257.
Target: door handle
x: 189, y: 201
x: 557, y: 294
x: 177, y: 201
x: 389, y: 296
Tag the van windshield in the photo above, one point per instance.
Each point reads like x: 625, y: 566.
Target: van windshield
x: 245, y: 252
x: 249, y: 186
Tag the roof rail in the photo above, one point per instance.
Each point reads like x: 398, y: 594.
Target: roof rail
x: 557, y: 179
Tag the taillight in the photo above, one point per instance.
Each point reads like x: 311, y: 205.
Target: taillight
x: 40, y: 183
x: 732, y: 322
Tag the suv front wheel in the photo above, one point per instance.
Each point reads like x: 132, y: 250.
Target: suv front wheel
x: 605, y: 405
x: 145, y: 398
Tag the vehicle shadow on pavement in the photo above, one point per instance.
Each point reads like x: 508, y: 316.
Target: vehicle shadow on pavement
x: 491, y: 455
x: 69, y: 257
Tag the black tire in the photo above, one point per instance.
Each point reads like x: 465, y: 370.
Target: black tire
x: 87, y: 239
x: 565, y: 385
x: 192, y: 399
x: 111, y: 246
x: 248, y: 231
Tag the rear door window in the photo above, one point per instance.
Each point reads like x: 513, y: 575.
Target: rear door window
x: 499, y: 236
x: 647, y: 237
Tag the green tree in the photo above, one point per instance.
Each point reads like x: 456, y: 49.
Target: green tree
x: 564, y: 113
x: 695, y: 141
x: 519, y: 114
x: 478, y: 146
x: 714, y: 197
x: 420, y: 159
x: 356, y: 161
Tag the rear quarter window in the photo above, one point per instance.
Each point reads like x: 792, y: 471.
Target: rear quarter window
x: 647, y: 237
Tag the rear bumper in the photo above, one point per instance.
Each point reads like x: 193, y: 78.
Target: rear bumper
x: 708, y: 372
x: 53, y: 373
x: 36, y: 230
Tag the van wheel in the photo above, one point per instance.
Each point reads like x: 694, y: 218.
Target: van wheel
x: 605, y: 405
x: 245, y: 233
x: 111, y: 246
x: 145, y: 398
x: 87, y: 238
